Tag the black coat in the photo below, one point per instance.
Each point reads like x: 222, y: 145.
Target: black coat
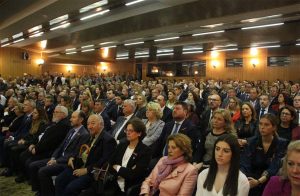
x: 101, y: 151
x: 135, y: 171
x: 53, y: 136
x: 167, y: 115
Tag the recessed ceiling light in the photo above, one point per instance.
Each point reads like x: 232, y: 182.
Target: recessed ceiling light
x: 87, y: 46
x: 165, y: 54
x: 88, y: 50
x: 95, y: 14
x: 263, y: 26
x: 212, y: 25
x: 165, y: 39
x: 208, y: 33
x: 260, y: 18
x: 92, y: 6
x: 134, y: 2
x: 71, y: 52
x: 59, y: 19
x: 64, y: 25
x: 133, y: 43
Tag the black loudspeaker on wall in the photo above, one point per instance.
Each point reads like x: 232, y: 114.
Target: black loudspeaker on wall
x: 25, y: 55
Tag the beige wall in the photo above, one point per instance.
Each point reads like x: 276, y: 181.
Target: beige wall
x: 12, y: 64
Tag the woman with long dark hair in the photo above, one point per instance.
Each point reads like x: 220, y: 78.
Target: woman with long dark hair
x: 287, y: 116
x: 262, y: 156
x: 223, y: 176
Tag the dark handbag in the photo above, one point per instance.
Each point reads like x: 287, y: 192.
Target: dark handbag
x: 102, y: 177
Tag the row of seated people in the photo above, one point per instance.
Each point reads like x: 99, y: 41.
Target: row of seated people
x: 201, y: 144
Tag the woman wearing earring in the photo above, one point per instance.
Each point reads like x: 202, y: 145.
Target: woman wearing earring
x: 223, y: 177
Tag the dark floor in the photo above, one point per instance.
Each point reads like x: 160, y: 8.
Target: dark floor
x: 8, y: 187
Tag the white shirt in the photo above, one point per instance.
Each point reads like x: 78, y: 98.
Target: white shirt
x: 126, y: 157
x: 243, y: 186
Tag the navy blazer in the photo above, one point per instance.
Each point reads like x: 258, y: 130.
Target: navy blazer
x: 71, y: 150
x: 255, y: 162
x: 101, y: 151
x: 117, y: 125
x: 23, y: 128
x: 114, y: 113
x: 135, y: 170
x: 107, y: 124
x: 187, y: 128
x: 167, y: 115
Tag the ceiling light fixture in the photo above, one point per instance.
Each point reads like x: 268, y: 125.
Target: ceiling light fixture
x: 208, y: 33
x: 192, y: 48
x: 88, y: 50
x: 18, y: 40
x: 263, y: 26
x: 165, y: 54
x: 4, y: 40
x: 87, y: 46
x: 142, y: 56
x: 274, y: 46
x: 92, y: 6
x: 72, y: 52
x: 104, y: 43
x: 110, y: 47
x: 193, y: 52
x: 5, y: 45
x: 36, y: 34
x: 134, y: 43
x: 228, y: 49
x: 95, y: 14
x: 59, y: 19
x: 260, y: 18
x: 298, y: 44
x: 120, y: 58
x: 212, y: 25
x: 134, y: 2
x: 70, y: 49
x: 64, y: 25
x: 164, y: 39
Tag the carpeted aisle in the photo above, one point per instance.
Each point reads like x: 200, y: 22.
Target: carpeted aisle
x: 8, y: 187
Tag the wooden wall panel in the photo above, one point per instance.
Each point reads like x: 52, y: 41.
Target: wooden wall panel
x: 12, y: 64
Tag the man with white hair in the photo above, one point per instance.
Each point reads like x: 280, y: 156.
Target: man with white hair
x: 119, y: 127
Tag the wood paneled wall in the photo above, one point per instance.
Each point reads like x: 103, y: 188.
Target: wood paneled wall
x: 12, y: 64
x: 103, y: 67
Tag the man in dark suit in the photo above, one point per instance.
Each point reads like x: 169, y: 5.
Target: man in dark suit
x: 116, y: 110
x: 180, y: 93
x: 53, y: 135
x: 110, y: 101
x: 74, y: 99
x: 78, y: 177
x: 214, y: 103
x: 274, y: 91
x: 253, y: 98
x: 167, y: 112
x: 265, y: 108
x: 99, y: 109
x: 118, y: 128
x: 179, y: 124
x: 49, y: 106
x: 42, y: 171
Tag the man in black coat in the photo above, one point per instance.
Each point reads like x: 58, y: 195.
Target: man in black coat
x: 99, y: 109
x: 116, y: 110
x: 42, y: 171
x: 167, y: 112
x: 78, y: 177
x: 265, y: 108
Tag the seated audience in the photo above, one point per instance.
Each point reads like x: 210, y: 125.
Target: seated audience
x: 223, y: 177
x: 288, y: 183
x: 173, y: 174
x: 262, y: 156
x: 234, y: 108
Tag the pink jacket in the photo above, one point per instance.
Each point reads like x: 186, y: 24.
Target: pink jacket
x: 181, y: 181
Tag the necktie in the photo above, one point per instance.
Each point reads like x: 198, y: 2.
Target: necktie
x: 176, y: 128
x: 262, y: 112
x: 69, y: 139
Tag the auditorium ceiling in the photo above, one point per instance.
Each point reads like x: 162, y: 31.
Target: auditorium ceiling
x: 79, y: 28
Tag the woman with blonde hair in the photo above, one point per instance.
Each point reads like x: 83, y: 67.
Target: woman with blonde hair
x: 221, y: 124
x: 153, y: 123
x: 288, y: 183
x: 173, y: 174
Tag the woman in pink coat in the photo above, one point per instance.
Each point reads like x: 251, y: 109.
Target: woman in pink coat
x: 173, y: 174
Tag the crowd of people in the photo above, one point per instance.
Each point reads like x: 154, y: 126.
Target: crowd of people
x: 154, y: 137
